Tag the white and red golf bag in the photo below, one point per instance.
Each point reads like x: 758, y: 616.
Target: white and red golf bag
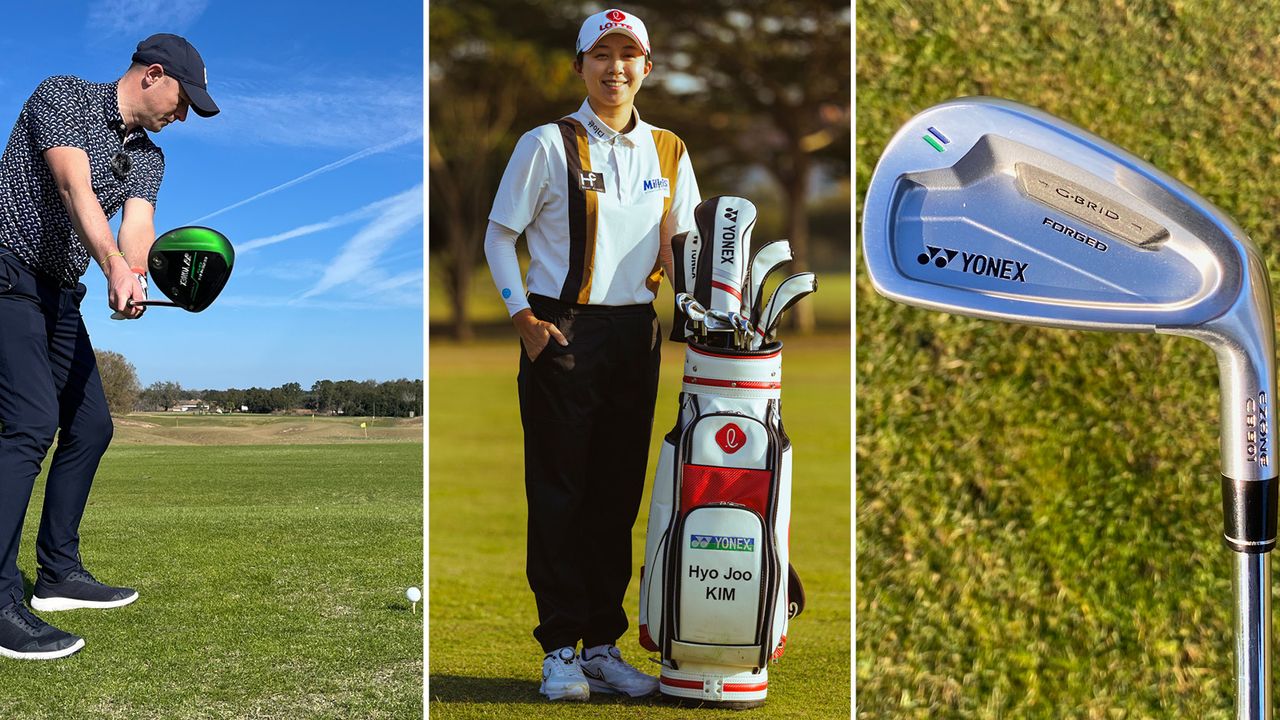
x: 714, y: 592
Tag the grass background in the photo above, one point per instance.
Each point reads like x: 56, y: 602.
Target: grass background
x: 1038, y: 511
x: 271, y: 575
x: 484, y: 660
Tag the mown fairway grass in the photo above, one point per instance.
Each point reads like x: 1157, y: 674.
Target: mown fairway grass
x: 484, y: 662
x: 272, y: 583
x: 1038, y: 511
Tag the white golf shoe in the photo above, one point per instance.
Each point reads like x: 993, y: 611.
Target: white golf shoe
x: 607, y: 672
x: 562, y: 678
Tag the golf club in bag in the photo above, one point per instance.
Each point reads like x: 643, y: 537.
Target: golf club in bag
x: 987, y: 208
x: 190, y: 265
x: 717, y: 589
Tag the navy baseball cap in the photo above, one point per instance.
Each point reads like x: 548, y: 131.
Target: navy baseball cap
x: 180, y: 59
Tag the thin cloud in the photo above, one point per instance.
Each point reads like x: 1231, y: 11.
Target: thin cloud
x: 390, y: 145
x: 120, y: 17
x: 370, y: 303
x: 399, y: 281
x: 369, y: 210
x: 320, y: 111
x: 357, y: 262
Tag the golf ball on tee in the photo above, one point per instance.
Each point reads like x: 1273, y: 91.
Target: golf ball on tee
x: 414, y: 594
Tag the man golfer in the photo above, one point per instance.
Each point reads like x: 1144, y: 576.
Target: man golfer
x: 598, y: 195
x: 79, y: 153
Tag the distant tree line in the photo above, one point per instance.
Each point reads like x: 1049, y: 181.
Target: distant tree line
x: 393, y: 398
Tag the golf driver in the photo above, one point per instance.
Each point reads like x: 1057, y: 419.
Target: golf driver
x: 190, y: 265
x: 767, y: 258
x: 684, y: 250
x: 725, y: 225
x: 791, y: 291
x: 987, y: 208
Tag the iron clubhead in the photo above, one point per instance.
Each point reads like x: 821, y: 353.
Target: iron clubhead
x: 190, y: 265
x: 988, y: 208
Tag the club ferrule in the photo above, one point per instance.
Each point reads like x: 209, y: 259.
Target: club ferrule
x: 1249, y: 514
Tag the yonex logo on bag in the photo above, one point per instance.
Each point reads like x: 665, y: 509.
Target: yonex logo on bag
x: 722, y: 542
x: 730, y: 438
x: 975, y: 264
x: 593, y: 181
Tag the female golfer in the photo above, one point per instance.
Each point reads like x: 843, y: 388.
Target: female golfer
x: 598, y: 195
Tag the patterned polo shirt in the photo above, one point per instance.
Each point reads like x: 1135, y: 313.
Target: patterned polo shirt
x: 66, y: 111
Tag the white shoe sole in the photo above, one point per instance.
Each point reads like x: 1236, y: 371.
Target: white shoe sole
x: 54, y: 604
x: 568, y: 692
x: 51, y: 655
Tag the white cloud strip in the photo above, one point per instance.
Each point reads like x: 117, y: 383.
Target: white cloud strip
x: 389, y: 145
x: 358, y: 259
x: 143, y: 16
x: 369, y: 210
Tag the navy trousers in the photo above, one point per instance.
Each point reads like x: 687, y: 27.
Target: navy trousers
x: 49, y: 383
x: 587, y: 413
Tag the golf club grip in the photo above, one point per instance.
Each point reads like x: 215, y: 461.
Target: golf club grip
x: 1249, y: 514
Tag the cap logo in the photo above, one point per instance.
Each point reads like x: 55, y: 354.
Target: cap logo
x: 616, y: 15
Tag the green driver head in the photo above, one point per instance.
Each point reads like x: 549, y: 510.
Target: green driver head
x: 190, y: 265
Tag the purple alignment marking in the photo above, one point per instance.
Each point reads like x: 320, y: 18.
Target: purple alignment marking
x: 940, y: 136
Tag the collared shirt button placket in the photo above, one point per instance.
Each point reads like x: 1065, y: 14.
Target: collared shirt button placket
x: 621, y: 157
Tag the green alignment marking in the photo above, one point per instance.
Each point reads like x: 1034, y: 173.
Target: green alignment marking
x: 933, y: 143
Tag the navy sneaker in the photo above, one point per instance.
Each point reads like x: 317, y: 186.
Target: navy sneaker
x: 24, y: 636
x: 78, y: 590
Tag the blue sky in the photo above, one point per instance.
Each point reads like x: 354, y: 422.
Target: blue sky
x: 313, y: 169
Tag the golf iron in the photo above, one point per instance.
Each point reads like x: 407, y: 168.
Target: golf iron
x: 987, y: 208
x: 764, y: 261
x: 190, y: 265
x: 791, y: 291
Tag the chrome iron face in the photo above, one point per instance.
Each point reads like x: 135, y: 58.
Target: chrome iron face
x: 987, y: 208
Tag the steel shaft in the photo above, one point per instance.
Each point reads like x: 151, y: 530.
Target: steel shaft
x: 1252, y: 579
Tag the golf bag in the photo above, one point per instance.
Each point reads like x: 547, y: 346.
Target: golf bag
x: 714, y: 592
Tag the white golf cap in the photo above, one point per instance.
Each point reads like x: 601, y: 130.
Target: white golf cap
x: 612, y: 21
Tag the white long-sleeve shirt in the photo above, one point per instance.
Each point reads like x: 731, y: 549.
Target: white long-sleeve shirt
x: 595, y: 205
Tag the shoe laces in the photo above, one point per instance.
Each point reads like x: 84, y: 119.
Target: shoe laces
x: 559, y: 666
x: 612, y: 657
x: 83, y: 576
x: 23, y: 618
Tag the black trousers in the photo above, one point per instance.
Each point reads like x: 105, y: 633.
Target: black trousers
x: 49, y: 383
x: 587, y: 412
